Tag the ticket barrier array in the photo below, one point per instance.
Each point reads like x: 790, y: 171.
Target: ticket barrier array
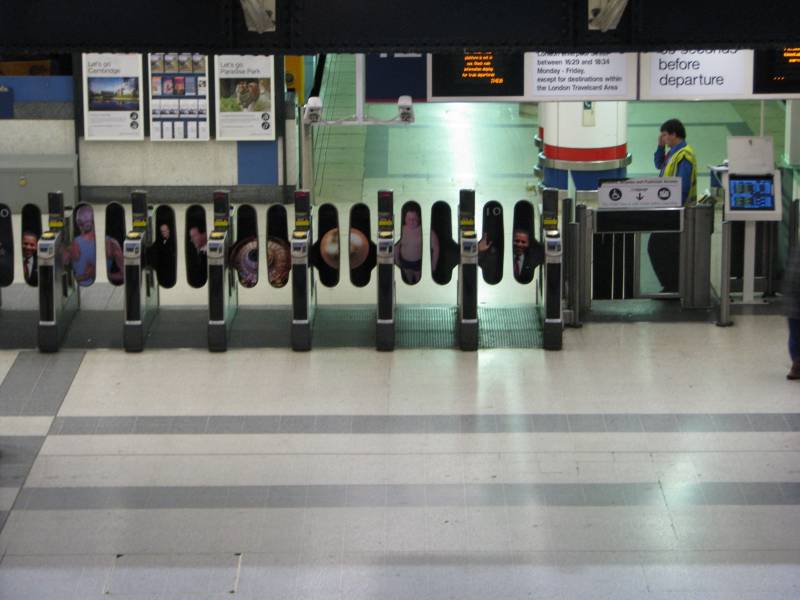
x: 59, y: 295
x: 143, y: 259
x: 141, y: 286
x: 619, y: 270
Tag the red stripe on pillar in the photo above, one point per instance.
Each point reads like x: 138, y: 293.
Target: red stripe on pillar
x: 585, y: 154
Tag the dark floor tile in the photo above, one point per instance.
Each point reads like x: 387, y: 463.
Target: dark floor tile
x: 550, y: 423
x: 604, y: 494
x: 334, y: 424
x: 286, y: 496
x: 445, y: 494
x: 405, y: 495
x: 659, y: 423
x: 443, y: 423
x: 485, y: 494
x: 621, y: 423
x: 564, y: 494
x: 367, y: 495
x: 478, y: 424
x: 118, y: 425
x: 222, y: 424
x: 370, y: 423
x: 586, y: 423
x: 298, y: 424
x: 768, y: 422
x: 153, y: 425
x: 722, y: 493
x: 763, y: 493
x: 320, y: 496
x: 524, y: 494
x: 643, y: 494
x: 732, y: 422
x: 687, y: 494
x: 514, y: 423
x: 695, y: 423
x: 261, y: 424
x: 189, y: 425
x: 406, y: 424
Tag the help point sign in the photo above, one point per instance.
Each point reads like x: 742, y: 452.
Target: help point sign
x: 697, y: 75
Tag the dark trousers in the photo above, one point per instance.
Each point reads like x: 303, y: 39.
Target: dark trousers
x: 794, y: 339
x: 664, y: 250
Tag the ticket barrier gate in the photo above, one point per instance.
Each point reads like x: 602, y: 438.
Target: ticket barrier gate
x: 385, y: 317
x: 223, y: 289
x: 59, y: 296
x: 141, y: 287
x: 694, y: 223
x: 467, y: 326
x: 303, y: 288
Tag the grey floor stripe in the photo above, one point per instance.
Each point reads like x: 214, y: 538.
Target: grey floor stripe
x: 417, y: 495
x: 37, y: 384
x: 421, y: 424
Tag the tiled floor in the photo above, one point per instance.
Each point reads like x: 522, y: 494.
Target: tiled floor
x: 645, y: 461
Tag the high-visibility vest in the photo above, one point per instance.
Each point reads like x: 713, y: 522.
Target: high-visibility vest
x: 671, y: 170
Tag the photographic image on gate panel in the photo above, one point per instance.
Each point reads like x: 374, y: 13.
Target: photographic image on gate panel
x: 196, y: 246
x: 29, y: 240
x: 363, y: 251
x: 82, y: 253
x: 279, y: 259
x: 444, y: 249
x: 115, y: 238
x: 245, y: 95
x: 527, y: 253
x: 490, y: 247
x: 165, y: 248
x: 325, y: 252
x: 113, y: 93
x: 244, y: 253
x: 6, y: 247
x: 408, y: 250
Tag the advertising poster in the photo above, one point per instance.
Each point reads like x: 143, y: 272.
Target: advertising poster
x: 112, y: 97
x: 178, y: 96
x: 245, y: 90
x: 584, y: 77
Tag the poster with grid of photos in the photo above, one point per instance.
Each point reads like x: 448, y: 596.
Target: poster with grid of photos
x: 112, y: 97
x: 245, y: 103
x: 178, y: 96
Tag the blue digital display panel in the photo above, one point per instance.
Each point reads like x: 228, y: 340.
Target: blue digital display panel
x: 748, y: 192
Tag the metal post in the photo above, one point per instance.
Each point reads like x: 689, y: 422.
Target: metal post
x: 360, y: 86
x: 794, y: 223
x: 307, y: 157
x: 725, y: 278
x: 584, y: 272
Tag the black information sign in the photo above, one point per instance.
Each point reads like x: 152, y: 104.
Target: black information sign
x: 477, y: 75
x: 777, y: 71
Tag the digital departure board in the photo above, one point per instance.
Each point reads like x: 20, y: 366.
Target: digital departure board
x: 777, y: 71
x: 477, y: 75
x: 752, y: 192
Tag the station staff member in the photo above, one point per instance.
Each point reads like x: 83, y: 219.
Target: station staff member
x: 678, y: 161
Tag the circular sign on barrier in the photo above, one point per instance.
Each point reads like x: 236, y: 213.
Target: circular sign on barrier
x: 615, y: 194
x: 664, y: 193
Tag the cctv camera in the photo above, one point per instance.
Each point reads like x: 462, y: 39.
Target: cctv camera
x: 312, y: 112
x: 405, y: 108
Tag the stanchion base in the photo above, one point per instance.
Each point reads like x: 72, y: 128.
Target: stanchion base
x: 468, y: 336
x: 384, y: 337
x: 217, y: 337
x: 553, y: 334
x: 301, y: 337
x: 133, y: 338
x: 724, y: 323
x: 48, y: 338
